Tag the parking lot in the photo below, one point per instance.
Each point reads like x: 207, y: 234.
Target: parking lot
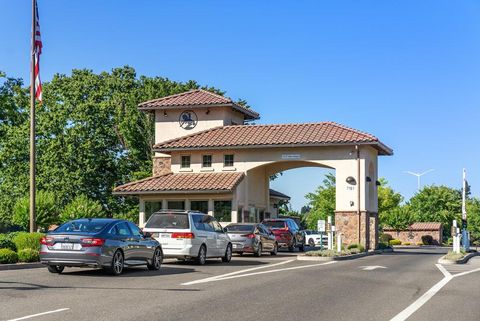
x: 270, y: 287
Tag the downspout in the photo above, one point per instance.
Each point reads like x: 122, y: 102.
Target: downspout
x: 358, y: 194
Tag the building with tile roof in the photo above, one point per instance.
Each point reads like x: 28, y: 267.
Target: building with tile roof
x: 209, y: 157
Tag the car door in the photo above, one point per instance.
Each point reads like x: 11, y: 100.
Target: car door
x: 141, y: 249
x: 222, y: 238
x: 123, y: 235
x: 265, y: 238
x: 211, y: 236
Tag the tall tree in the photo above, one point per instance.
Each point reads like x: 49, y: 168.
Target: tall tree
x: 322, y: 201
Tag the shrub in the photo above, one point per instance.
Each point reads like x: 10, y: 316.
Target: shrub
x: 394, y: 242
x: 8, y: 256
x: 419, y: 243
x: 385, y: 238
x: 25, y: 240
x: 383, y: 246
x: 7, y: 243
x: 427, y: 239
x: 360, y: 247
x: 28, y: 255
x: 454, y: 256
x: 46, y: 211
x: 81, y: 207
x: 406, y: 243
x: 355, y: 250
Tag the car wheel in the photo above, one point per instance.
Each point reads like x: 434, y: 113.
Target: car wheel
x: 116, y: 267
x: 259, y: 251
x: 228, y: 254
x: 156, y: 260
x: 275, y: 249
x: 311, y: 242
x: 202, y: 255
x: 55, y: 268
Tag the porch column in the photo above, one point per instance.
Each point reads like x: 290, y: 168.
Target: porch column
x: 234, y: 209
x: 164, y: 204
x: 210, y: 207
x: 187, y: 205
x: 141, y: 216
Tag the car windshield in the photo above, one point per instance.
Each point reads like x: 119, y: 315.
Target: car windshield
x: 238, y: 228
x: 83, y: 226
x: 168, y: 220
x: 274, y: 224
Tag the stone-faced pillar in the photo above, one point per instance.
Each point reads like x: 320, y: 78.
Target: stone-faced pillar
x: 161, y: 165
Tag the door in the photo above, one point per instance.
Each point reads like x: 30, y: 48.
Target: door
x: 140, y: 245
x: 123, y: 235
x: 211, y: 236
x: 265, y: 238
x: 222, y: 238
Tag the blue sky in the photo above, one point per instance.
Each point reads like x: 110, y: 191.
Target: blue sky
x: 405, y: 71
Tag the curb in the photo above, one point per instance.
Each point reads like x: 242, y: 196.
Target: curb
x: 463, y: 260
x: 20, y: 266
x: 303, y: 257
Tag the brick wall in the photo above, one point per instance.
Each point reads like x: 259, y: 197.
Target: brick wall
x: 162, y: 165
x: 415, y: 237
x: 347, y: 222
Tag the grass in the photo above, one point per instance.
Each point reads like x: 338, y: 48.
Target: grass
x: 454, y: 256
x: 328, y: 253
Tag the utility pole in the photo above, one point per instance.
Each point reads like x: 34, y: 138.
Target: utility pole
x: 465, y: 236
x: 419, y: 175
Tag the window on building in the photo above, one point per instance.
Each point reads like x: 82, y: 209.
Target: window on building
x: 222, y: 211
x: 201, y: 206
x: 152, y: 207
x: 207, y: 161
x: 228, y: 160
x: 176, y: 205
x: 185, y: 161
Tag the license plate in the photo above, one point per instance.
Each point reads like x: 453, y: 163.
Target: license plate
x: 164, y: 235
x: 237, y: 245
x: 66, y: 246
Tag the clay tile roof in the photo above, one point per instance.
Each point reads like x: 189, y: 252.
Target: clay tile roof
x: 182, y: 182
x: 196, y: 98
x: 425, y: 226
x: 291, y: 135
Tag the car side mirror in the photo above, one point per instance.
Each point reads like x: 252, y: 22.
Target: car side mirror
x: 225, y: 230
x: 147, y: 235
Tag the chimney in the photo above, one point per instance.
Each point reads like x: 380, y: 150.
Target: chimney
x: 162, y: 165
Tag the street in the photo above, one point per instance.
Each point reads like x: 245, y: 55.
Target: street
x: 279, y: 287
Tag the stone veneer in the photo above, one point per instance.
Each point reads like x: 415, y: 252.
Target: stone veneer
x: 162, y: 165
x: 347, y: 223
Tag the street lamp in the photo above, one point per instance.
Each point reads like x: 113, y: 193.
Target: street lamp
x: 419, y: 175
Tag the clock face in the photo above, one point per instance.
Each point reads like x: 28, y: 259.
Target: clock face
x: 188, y: 119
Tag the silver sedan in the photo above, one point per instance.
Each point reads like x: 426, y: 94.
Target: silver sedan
x: 253, y: 238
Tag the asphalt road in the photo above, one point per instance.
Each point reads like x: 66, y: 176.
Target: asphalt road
x: 377, y: 287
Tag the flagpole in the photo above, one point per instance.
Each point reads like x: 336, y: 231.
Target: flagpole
x: 32, y: 124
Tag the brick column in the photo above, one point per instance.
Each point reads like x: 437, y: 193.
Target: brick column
x: 161, y: 165
x: 357, y: 228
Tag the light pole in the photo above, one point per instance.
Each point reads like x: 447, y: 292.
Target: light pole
x: 419, y: 175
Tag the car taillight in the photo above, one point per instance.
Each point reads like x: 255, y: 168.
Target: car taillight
x: 250, y: 236
x: 181, y: 235
x: 91, y: 242
x: 46, y: 240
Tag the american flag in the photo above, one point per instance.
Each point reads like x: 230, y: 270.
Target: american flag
x: 37, y: 50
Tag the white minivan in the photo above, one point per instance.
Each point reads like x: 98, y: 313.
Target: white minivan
x: 189, y: 235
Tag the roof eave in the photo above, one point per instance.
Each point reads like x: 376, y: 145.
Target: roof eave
x: 250, y: 113
x: 381, y: 147
x: 139, y: 193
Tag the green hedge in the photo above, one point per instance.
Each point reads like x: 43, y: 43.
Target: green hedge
x: 6, y: 242
x: 395, y: 242
x: 8, y: 256
x: 385, y: 238
x: 360, y: 247
x: 28, y: 255
x: 25, y: 240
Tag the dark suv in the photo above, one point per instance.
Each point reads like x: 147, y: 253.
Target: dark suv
x: 287, y: 233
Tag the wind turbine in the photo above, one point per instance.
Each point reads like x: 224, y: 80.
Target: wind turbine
x: 419, y: 175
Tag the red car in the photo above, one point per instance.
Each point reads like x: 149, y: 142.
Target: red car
x: 287, y: 233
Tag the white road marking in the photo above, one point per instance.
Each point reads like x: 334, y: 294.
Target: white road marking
x: 236, y: 272
x: 430, y: 293
x: 223, y: 278
x: 39, y: 314
x: 372, y: 267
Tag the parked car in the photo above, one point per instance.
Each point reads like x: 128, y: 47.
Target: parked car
x: 110, y: 244
x: 189, y: 235
x: 287, y: 233
x: 252, y: 238
x: 315, y: 238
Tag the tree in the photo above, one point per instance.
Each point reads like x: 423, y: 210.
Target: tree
x: 46, y: 210
x: 322, y: 202
x: 473, y: 218
x: 81, y: 207
x: 389, y: 208
x: 398, y: 218
x: 90, y: 136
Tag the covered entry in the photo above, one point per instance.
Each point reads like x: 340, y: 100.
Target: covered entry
x: 224, y: 168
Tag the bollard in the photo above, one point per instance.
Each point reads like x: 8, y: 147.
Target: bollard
x: 339, y: 242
